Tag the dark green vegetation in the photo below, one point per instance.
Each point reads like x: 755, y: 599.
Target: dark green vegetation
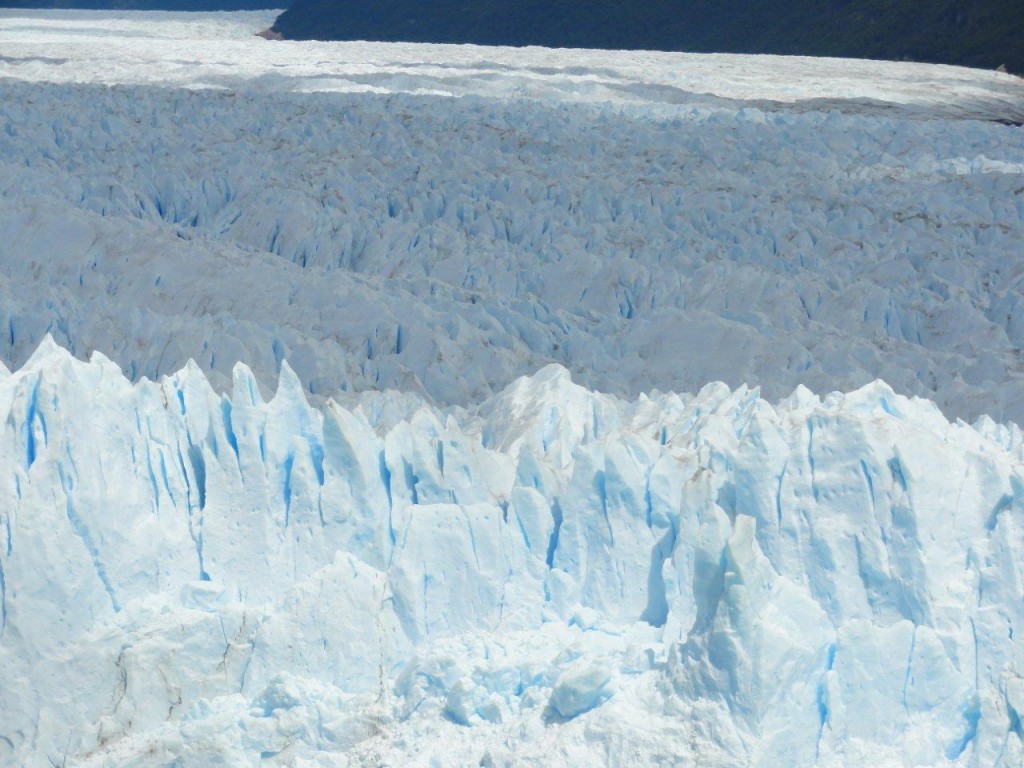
x: 977, y: 33
x: 148, y: 5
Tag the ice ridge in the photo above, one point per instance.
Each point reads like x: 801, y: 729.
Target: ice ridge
x: 552, y: 573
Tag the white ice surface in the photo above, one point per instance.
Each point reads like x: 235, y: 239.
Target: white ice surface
x: 555, y: 577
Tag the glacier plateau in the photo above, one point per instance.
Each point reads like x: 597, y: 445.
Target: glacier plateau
x: 443, y: 219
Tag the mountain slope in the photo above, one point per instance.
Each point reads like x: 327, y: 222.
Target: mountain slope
x: 984, y: 34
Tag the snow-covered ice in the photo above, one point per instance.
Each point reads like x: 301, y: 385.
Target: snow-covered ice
x: 553, y: 577
x: 467, y: 529
x: 218, y: 50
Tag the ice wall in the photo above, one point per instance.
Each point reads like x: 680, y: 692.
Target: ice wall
x: 554, y: 574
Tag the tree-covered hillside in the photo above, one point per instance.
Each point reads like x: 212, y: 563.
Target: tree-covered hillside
x: 978, y: 33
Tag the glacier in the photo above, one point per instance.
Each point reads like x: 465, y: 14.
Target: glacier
x: 552, y: 576
x: 493, y: 513
x: 444, y: 219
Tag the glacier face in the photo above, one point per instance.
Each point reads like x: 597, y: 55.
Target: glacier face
x: 645, y: 220
x: 555, y: 574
